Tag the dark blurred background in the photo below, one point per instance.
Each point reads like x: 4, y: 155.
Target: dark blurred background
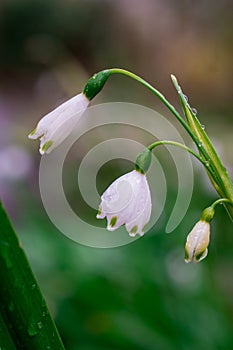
x: 140, y: 296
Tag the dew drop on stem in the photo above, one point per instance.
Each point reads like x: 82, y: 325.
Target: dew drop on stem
x: 185, y: 97
x: 194, y: 111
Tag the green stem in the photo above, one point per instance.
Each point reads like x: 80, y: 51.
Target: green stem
x: 220, y: 201
x: 220, y: 180
x: 158, y: 94
x: 198, y: 130
x: 22, y: 305
x: 180, y: 145
x: 216, y: 171
x: 167, y: 104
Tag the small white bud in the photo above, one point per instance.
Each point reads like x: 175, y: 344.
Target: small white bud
x: 197, y: 242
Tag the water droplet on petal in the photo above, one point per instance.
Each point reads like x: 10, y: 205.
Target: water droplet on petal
x: 108, y: 197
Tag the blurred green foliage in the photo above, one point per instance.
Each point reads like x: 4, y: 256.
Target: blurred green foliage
x: 141, y: 296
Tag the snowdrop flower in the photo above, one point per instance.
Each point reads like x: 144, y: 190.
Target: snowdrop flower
x: 127, y: 201
x: 197, y: 242
x: 55, y: 126
x: 199, y: 238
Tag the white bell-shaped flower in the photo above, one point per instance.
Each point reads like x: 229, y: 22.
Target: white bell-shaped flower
x: 197, y: 242
x: 55, y: 126
x: 127, y: 201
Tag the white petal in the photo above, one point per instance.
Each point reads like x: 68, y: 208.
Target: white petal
x: 119, y: 194
x: 200, y: 258
x: 137, y: 225
x: 127, y: 201
x: 59, y: 132
x: 58, y: 124
x: 143, y: 213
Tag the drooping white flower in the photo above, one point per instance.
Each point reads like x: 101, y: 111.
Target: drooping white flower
x: 197, y: 242
x: 127, y: 201
x: 55, y: 126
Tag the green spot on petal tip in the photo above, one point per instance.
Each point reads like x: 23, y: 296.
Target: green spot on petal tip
x: 113, y: 221
x: 199, y: 256
x: 32, y: 133
x: 46, y: 146
x: 134, y: 230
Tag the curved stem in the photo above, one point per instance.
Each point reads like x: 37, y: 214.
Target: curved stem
x: 158, y: 94
x: 180, y: 145
x: 217, y: 173
x: 174, y: 112
x: 220, y: 201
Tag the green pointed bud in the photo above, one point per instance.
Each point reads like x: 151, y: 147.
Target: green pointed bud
x: 95, y: 84
x: 143, y: 161
x: 207, y: 214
